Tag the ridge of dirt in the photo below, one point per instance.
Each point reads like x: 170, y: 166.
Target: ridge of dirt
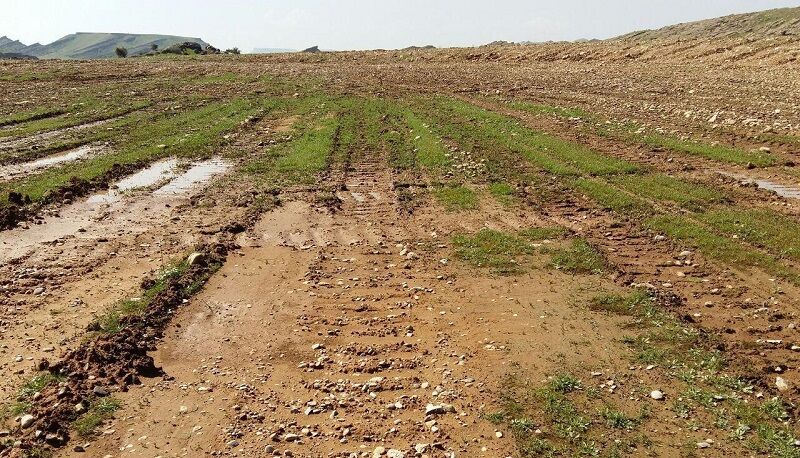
x: 112, y: 361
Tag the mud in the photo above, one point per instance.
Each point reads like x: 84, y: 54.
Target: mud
x: 112, y: 361
x: 16, y: 170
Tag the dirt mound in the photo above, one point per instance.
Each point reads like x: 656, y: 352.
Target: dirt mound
x: 111, y: 361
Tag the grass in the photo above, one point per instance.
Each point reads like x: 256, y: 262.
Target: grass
x: 579, y: 258
x: 544, y: 233
x: 762, y: 228
x: 719, y: 153
x: 664, y: 188
x: 99, y: 411
x: 612, y: 198
x: 456, y: 198
x: 502, y: 192
x: 723, y: 249
x: 688, y: 358
x: 549, y: 153
x: 31, y: 115
x: 492, y: 249
x: 23, y: 401
x: 715, y: 152
x: 194, y: 133
x: 112, y: 320
x: 430, y: 151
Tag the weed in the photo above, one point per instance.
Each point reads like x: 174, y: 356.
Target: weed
x: 493, y: 249
x: 579, y: 258
x: 456, y: 198
x: 99, y: 411
x: 544, y: 233
x: 503, y: 192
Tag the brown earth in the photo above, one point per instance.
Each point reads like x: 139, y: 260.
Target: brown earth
x: 331, y: 328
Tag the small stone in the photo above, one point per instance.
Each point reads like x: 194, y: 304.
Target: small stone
x: 38, y: 291
x: 657, y: 395
x: 432, y: 409
x: 393, y: 453
x: 378, y: 452
x: 26, y: 420
x: 703, y: 444
x: 781, y: 384
x: 291, y: 437
x: 100, y: 391
x: 233, y: 443
x: 498, y: 434
x: 196, y: 258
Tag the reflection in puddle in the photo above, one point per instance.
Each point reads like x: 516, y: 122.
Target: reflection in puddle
x: 103, y: 215
x: 199, y: 173
x: 157, y: 172
x: 788, y: 192
x: 10, y: 171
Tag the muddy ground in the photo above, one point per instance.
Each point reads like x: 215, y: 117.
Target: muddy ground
x: 343, y: 321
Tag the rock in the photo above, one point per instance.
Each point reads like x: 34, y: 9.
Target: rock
x: 498, y: 434
x: 781, y: 384
x: 80, y: 408
x: 393, y: 453
x: 291, y: 437
x: 233, y: 443
x: 269, y: 449
x: 100, y: 391
x: 26, y: 420
x: 78, y: 449
x: 657, y: 395
x: 421, y: 448
x: 378, y: 452
x: 703, y: 444
x: 39, y: 290
x: 432, y: 409
x: 196, y: 258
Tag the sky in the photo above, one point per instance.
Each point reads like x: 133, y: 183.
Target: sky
x: 359, y: 24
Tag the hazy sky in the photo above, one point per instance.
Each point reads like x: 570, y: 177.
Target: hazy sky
x: 358, y: 24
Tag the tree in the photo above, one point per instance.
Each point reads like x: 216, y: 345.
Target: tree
x: 233, y: 51
x: 154, y: 47
x: 122, y: 52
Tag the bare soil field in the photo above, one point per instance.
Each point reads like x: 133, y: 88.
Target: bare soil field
x: 506, y: 251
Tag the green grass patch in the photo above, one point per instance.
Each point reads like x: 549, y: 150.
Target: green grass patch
x: 195, y: 133
x: 579, y: 258
x: 502, y: 192
x: 430, y: 151
x: 664, y: 188
x: 719, y: 153
x: 544, y: 233
x: 612, y: 198
x: 99, y: 411
x: 551, y: 154
x: 762, y: 228
x: 456, y: 198
x: 721, y: 248
x: 31, y: 115
x: 492, y: 249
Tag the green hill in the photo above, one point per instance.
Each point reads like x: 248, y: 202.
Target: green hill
x: 94, y: 45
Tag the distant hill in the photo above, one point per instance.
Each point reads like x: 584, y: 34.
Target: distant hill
x: 94, y: 45
x: 763, y: 24
x: 272, y: 50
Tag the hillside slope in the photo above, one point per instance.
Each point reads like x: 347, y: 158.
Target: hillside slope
x: 759, y: 25
x: 94, y: 45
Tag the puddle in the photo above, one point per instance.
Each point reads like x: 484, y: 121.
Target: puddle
x: 157, y: 172
x: 14, y: 170
x: 105, y: 214
x: 197, y: 174
x: 788, y: 192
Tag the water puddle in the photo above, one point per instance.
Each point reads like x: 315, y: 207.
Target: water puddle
x: 156, y: 173
x: 14, y: 170
x: 197, y: 174
x: 788, y: 192
x: 108, y: 213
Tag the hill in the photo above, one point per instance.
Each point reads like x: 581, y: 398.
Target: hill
x: 763, y: 24
x: 94, y: 45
